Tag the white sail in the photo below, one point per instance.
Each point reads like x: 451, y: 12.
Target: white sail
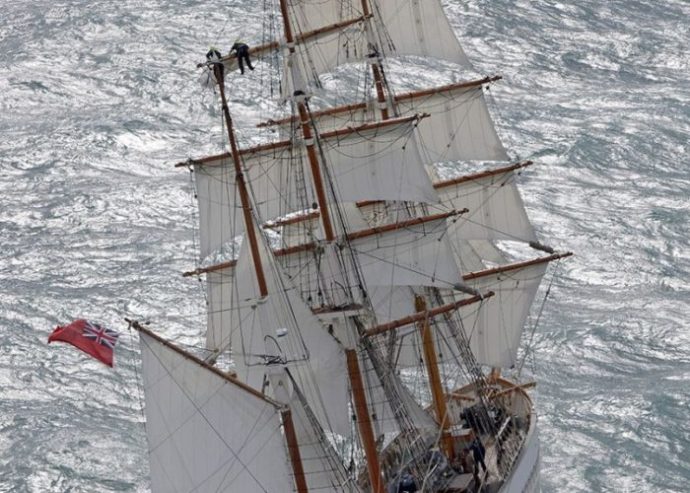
x: 280, y: 328
x: 467, y: 257
x: 396, y: 236
x: 206, y: 433
x: 459, y: 126
x: 412, y: 255
x: 417, y: 255
x: 220, y: 289
x: 404, y: 27
x: 494, y: 331
x: 220, y: 213
x: 382, y: 408
x: 371, y: 163
x: 493, y: 328
x: 475, y: 255
x: 309, y: 15
x: 417, y: 27
x: 496, y: 210
x: 320, y: 54
x: 276, y: 184
x: 409, y: 27
x: 391, y: 302
x: 379, y: 163
x: 322, y: 466
x: 487, y: 251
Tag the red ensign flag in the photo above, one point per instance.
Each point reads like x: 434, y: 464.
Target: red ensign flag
x: 91, y: 338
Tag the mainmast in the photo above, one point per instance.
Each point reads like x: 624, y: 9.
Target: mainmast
x: 376, y: 65
x: 365, y: 428
x: 300, y: 98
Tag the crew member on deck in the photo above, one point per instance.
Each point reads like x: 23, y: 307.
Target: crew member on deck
x: 242, y: 51
x: 407, y: 483
x: 478, y: 453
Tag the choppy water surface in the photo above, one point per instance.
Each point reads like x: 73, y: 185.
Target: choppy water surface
x: 98, y: 100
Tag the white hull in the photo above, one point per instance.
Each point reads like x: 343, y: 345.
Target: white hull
x: 525, y: 475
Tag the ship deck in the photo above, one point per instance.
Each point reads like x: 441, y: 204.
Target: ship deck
x: 460, y: 474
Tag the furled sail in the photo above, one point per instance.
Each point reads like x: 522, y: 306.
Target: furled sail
x: 206, y: 432
x: 306, y: 226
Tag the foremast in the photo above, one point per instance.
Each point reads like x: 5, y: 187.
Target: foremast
x: 285, y: 412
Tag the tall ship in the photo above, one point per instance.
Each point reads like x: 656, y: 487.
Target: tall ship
x: 369, y: 269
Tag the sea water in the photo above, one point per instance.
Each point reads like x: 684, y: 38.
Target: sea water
x: 99, y: 99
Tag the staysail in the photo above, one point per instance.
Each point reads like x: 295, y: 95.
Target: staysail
x: 278, y: 329
x: 207, y: 432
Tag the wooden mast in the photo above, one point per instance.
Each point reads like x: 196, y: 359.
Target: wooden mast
x: 435, y: 384
x: 309, y: 137
x: 290, y: 436
x: 239, y: 178
x: 366, y: 432
x: 293, y: 449
x: 375, y: 67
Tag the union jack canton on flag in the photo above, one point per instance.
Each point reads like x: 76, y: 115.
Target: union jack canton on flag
x: 93, y: 339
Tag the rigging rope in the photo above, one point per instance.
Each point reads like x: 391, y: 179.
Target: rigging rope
x: 528, y: 346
